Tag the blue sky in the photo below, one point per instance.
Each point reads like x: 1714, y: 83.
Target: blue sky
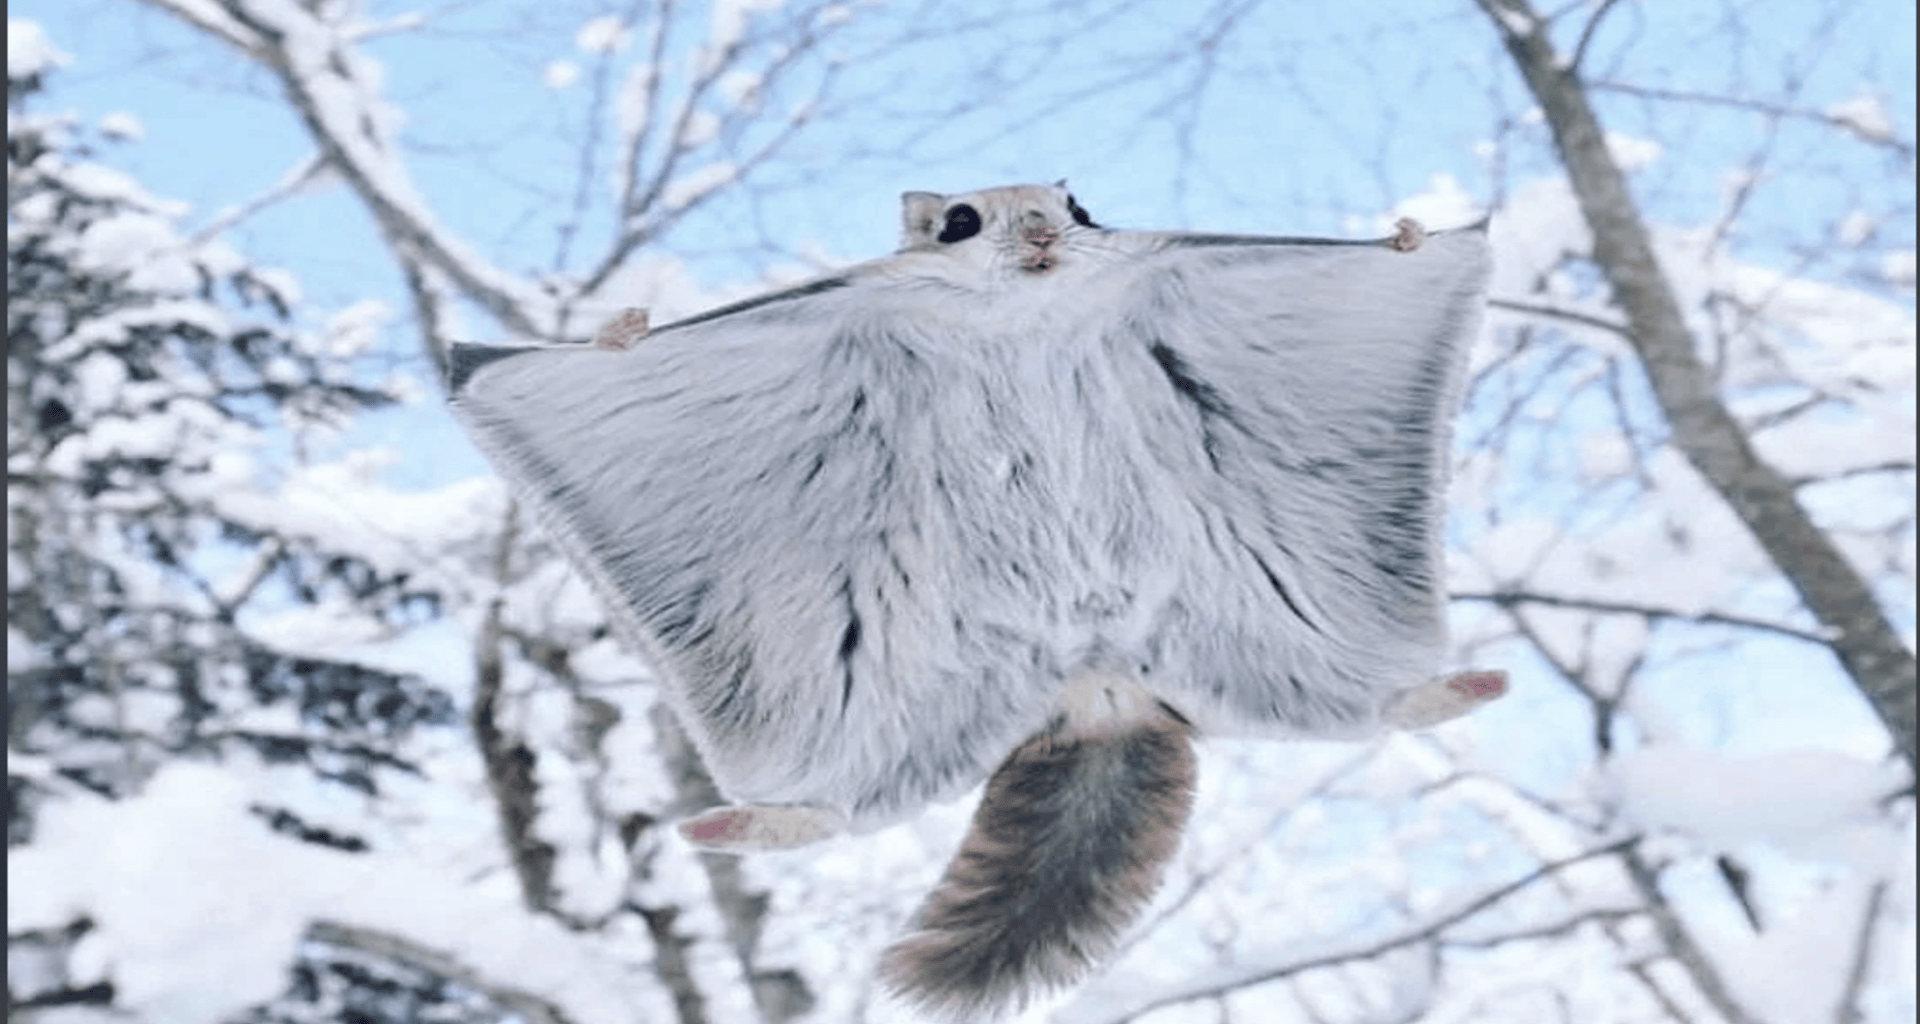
x: 1301, y: 127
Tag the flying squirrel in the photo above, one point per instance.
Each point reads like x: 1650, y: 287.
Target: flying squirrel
x: 1029, y: 493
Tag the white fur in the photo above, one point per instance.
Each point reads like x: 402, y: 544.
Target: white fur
x: 865, y: 530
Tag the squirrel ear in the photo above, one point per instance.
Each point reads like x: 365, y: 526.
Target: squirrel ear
x: 920, y: 218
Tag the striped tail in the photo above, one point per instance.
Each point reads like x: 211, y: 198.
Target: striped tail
x: 1064, y: 852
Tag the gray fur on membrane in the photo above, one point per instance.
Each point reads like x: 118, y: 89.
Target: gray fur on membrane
x: 876, y: 531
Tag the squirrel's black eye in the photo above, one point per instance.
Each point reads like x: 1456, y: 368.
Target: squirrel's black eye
x: 963, y: 222
x: 1080, y: 214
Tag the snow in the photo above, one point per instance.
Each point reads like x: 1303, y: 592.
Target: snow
x: 604, y: 34
x: 1605, y: 456
x: 1445, y: 203
x: 196, y: 919
x: 702, y: 127
x: 1796, y: 965
x: 167, y: 895
x: 98, y: 377
x: 696, y: 184
x: 144, y: 242
x: 343, y: 503
x: 122, y: 125
x: 631, y: 104
x: 739, y: 88
x: 1898, y: 266
x: 560, y: 74
x: 280, y: 281
x: 1633, y: 154
x: 1515, y: 22
x: 1795, y: 799
x: 102, y: 182
x: 354, y: 330
x: 1856, y: 228
x: 1865, y: 114
x: 730, y: 19
x: 29, y: 51
x: 1831, y: 446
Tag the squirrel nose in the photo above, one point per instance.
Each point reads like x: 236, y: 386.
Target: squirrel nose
x: 1036, y: 228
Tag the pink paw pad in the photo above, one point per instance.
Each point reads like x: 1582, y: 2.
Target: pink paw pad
x: 1408, y: 234
x: 1479, y: 685
x: 720, y: 827
x: 626, y: 327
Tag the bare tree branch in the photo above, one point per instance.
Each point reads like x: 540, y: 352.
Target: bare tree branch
x: 1515, y: 598
x: 1643, y: 970
x: 1905, y: 149
x: 1889, y: 466
x: 509, y: 761
x: 1611, y: 915
x: 644, y: 213
x: 1432, y: 929
x: 1587, y: 34
x: 780, y: 996
x: 349, y: 142
x: 388, y: 946
x: 1675, y: 937
x: 429, y: 312
x: 1204, y: 877
x: 1679, y: 941
x: 1559, y: 313
x: 1848, y: 1010
x: 214, y: 22
x: 1865, y: 642
x: 289, y: 184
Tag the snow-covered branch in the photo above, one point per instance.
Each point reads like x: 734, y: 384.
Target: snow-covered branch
x: 399, y: 949
x: 1430, y: 930
x: 289, y: 185
x: 1680, y: 941
x: 653, y: 198
x: 327, y: 81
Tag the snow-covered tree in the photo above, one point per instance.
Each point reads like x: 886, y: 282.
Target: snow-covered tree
x: 210, y: 588
x: 157, y: 393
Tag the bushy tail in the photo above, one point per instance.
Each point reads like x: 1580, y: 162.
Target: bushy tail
x: 1066, y: 848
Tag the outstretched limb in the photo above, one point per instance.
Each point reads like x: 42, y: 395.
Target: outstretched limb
x: 751, y: 828
x: 1443, y: 700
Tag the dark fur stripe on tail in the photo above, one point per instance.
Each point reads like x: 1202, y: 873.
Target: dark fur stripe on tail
x: 1066, y: 848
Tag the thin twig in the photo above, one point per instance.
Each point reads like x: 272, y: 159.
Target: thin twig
x: 289, y: 184
x: 1512, y: 598
x: 1423, y: 933
x: 1905, y: 149
x: 1586, y: 36
x: 1559, y: 313
x: 1848, y: 1010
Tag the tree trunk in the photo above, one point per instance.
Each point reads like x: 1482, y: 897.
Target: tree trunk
x: 1868, y: 646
